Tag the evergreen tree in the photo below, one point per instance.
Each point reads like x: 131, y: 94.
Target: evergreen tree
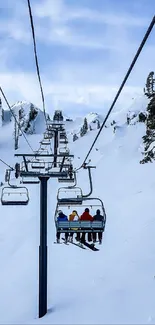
x: 84, y: 128
x: 85, y: 125
x: 149, y: 138
x: 75, y: 137
x: 142, y: 117
x: 150, y: 82
x: 33, y: 112
x: 1, y: 113
x: 113, y: 122
x: 98, y: 124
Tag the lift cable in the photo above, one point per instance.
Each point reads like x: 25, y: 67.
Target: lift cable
x: 121, y: 87
x: 15, y: 117
x: 36, y: 58
x: 6, y: 164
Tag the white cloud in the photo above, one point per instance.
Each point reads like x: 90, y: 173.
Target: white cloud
x: 93, y: 83
x: 59, y: 12
x: 25, y: 87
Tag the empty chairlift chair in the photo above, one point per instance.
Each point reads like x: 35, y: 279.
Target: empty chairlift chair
x: 64, y: 151
x: 38, y: 164
x: 71, y: 176
x: 14, y: 195
x: 69, y: 196
x: 45, y: 142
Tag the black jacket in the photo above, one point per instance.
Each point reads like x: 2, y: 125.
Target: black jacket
x: 98, y: 217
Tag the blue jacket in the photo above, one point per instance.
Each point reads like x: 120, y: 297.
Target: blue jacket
x: 62, y: 217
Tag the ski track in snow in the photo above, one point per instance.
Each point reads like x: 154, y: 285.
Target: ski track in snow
x: 113, y: 286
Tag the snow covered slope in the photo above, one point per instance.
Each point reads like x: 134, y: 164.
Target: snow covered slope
x: 113, y: 286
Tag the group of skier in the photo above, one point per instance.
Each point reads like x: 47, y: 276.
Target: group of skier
x: 84, y: 217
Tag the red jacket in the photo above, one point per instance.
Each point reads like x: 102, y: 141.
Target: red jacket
x: 86, y: 217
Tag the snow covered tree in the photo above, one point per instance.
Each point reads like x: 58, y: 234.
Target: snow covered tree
x: 142, y: 117
x: 98, y: 124
x: 75, y: 137
x: 1, y: 113
x: 150, y: 83
x: 84, y: 128
x: 33, y: 112
x: 85, y: 125
x: 16, y: 132
x: 149, y: 138
x: 113, y: 122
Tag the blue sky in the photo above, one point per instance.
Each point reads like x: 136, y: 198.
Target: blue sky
x: 84, y: 50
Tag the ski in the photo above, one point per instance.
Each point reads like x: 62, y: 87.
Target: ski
x: 75, y: 244
x: 91, y: 246
x: 55, y: 242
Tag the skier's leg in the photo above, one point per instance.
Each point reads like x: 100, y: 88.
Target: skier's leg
x: 100, y: 237
x: 94, y: 237
x: 58, y: 236
x: 83, y: 236
x: 89, y: 236
x: 66, y: 236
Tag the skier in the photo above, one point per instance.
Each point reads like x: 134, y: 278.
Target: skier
x: 86, y: 217
x: 61, y: 217
x: 74, y: 217
x: 98, y: 217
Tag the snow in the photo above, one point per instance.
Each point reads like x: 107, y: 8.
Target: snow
x: 115, y: 285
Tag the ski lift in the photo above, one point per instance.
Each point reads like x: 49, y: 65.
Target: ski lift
x: 93, y: 204
x: 48, y: 135
x: 63, y: 141
x: 64, y: 151
x: 63, y: 136
x: 45, y: 142
x: 38, y: 164
x: 71, y: 176
x: 69, y: 196
x: 14, y: 195
x: 43, y: 151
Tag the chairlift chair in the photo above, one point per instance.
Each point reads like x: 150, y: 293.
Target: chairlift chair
x: 38, y: 164
x: 45, y: 142
x: 48, y: 135
x: 81, y: 226
x: 63, y: 141
x: 14, y: 195
x: 64, y: 151
x: 63, y: 136
x: 67, y: 196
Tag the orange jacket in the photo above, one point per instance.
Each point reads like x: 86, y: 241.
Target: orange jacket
x: 72, y: 216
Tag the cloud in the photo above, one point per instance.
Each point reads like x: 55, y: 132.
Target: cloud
x: 59, y: 12
x: 83, y: 52
x: 96, y: 97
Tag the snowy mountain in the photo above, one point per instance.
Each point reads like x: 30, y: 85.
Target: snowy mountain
x: 30, y: 117
x: 114, y: 286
